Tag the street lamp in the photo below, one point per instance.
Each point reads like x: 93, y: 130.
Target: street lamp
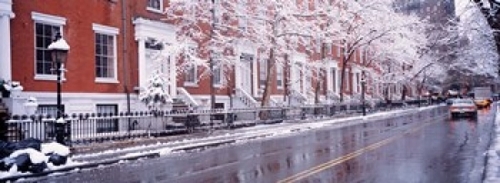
x: 363, y: 101
x: 59, y: 52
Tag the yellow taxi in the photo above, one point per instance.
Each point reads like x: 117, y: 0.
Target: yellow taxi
x: 482, y: 103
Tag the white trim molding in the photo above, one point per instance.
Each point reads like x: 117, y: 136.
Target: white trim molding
x: 145, y: 29
x: 6, y: 8
x: 154, y: 9
x: 5, y: 36
x: 105, y: 29
x: 49, y: 19
x: 110, y: 31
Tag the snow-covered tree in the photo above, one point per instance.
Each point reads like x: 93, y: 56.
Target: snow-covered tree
x: 278, y: 28
x: 155, y: 95
x: 206, y: 36
x: 477, y: 49
x: 356, y: 25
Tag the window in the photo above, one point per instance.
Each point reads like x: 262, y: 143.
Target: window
x: 346, y: 80
x: 319, y: 44
x: 339, y: 51
x: 44, y: 34
x: 333, y: 72
x: 358, y: 82
x: 218, y: 70
x: 105, y: 53
x: 46, y: 28
x: 328, y: 48
x: 110, y: 124
x: 48, y: 110
x: 243, y: 23
x: 218, y: 14
x: 155, y: 5
x: 218, y: 74
x: 262, y: 73
x: 191, y: 74
x: 279, y: 76
x: 308, y: 79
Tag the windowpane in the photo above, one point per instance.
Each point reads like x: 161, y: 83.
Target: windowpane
x: 44, y: 34
x: 334, y: 79
x: 279, y: 76
x: 107, y: 125
x: 105, y: 55
x: 191, y: 73
x: 262, y: 73
x: 154, y: 4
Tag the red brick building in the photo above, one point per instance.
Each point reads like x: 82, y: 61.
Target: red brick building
x: 110, y: 59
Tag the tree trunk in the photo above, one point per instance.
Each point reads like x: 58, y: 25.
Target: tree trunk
x: 403, y: 94
x: 320, y: 75
x: 266, y: 96
x: 286, y: 80
x: 342, y: 75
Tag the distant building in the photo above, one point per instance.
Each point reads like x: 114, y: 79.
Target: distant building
x: 435, y: 11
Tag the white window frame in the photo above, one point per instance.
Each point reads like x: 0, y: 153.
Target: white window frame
x: 280, y: 76
x: 110, y: 31
x: 319, y: 44
x: 358, y: 82
x: 243, y: 23
x: 48, y: 20
x: 334, y: 78
x: 195, y: 68
x: 154, y: 9
x: 347, y: 80
x: 263, y: 72
x: 339, y: 50
x: 220, y: 70
x: 328, y: 48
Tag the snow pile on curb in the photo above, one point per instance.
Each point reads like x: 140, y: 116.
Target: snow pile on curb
x: 31, y: 156
x: 493, y: 161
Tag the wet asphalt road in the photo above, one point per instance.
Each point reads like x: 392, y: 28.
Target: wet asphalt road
x: 400, y: 150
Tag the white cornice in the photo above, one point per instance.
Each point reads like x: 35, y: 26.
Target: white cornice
x: 46, y: 18
x: 6, y: 8
x: 145, y: 28
x: 105, y: 29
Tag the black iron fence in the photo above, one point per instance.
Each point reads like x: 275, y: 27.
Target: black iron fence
x: 86, y: 128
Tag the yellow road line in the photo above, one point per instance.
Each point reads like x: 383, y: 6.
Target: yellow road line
x: 342, y: 159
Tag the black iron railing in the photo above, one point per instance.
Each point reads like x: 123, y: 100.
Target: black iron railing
x: 86, y: 128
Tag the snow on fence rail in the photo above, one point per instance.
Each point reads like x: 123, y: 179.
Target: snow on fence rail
x: 82, y: 128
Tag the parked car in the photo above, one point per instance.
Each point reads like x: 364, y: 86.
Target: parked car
x: 463, y: 107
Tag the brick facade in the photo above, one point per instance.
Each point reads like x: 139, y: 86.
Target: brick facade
x: 82, y: 91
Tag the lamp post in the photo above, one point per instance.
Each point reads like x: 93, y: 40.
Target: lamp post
x: 363, y: 101
x: 59, y: 52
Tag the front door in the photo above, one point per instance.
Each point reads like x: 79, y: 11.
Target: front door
x: 246, y: 72
x: 158, y: 63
